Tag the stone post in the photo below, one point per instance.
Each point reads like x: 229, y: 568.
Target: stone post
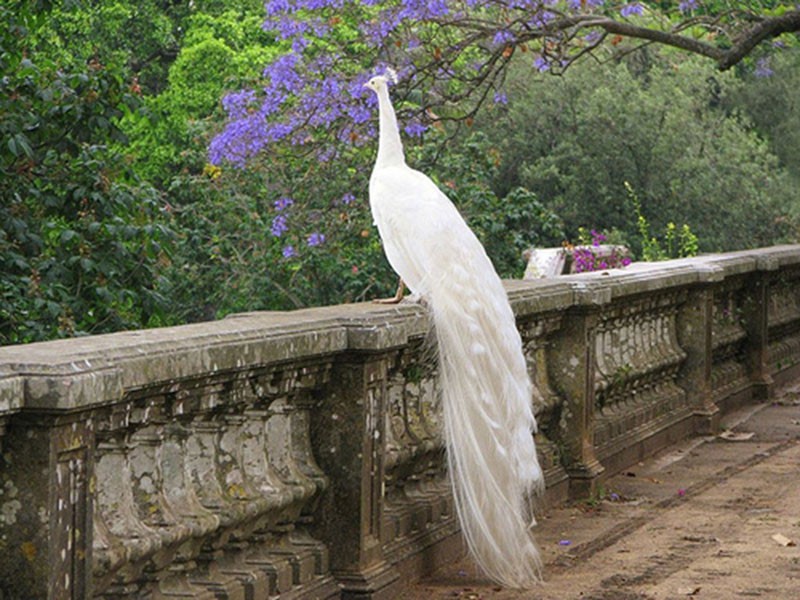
x: 348, y: 431
x: 46, y: 504
x: 694, y: 325
x: 755, y: 306
x: 572, y: 371
x: 348, y: 434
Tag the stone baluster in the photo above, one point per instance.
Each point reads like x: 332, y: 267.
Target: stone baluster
x: 547, y: 404
x: 783, y: 322
x: 257, y: 467
x: 302, y: 453
x: 282, y: 456
x: 729, y: 372
x: 125, y: 543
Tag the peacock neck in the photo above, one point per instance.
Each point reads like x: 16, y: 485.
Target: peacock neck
x: 390, y: 148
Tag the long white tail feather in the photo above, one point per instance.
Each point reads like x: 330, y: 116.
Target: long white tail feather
x: 486, y: 398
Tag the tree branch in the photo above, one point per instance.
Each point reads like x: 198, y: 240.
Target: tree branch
x: 766, y: 29
x: 662, y: 37
x: 725, y: 58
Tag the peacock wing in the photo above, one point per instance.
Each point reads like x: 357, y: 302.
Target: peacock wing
x: 416, y: 222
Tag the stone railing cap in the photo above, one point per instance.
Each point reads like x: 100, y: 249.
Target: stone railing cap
x: 81, y: 372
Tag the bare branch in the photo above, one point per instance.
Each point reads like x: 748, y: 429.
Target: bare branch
x: 725, y: 58
x: 654, y: 35
x: 766, y: 29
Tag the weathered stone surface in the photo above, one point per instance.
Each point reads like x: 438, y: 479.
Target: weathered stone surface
x: 301, y: 452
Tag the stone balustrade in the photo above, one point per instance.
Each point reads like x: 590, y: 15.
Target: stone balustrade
x: 300, y: 454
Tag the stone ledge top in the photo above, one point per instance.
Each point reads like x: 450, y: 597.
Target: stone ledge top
x: 81, y: 372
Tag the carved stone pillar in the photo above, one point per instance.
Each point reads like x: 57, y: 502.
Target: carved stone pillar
x: 694, y: 328
x: 348, y: 431
x: 46, y: 508
x: 755, y: 313
x: 572, y: 372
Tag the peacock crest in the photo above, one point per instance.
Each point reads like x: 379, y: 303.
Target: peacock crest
x: 391, y: 75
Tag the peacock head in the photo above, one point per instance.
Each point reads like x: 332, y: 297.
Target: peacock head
x: 382, y: 81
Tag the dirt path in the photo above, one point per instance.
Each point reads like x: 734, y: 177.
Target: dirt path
x: 695, y: 521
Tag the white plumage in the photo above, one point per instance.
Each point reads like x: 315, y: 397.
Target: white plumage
x: 486, y: 390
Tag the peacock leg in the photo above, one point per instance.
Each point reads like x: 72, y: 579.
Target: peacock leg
x: 398, y: 296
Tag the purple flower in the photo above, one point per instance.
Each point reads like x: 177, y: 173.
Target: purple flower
x: 277, y: 6
x: 282, y: 203
x: 279, y: 226
x: 237, y: 103
x: 541, y: 18
x: 348, y: 198
x: 289, y: 251
x: 502, y: 37
x: 415, y: 129
x: 577, y: 4
x: 377, y: 30
x: 423, y: 9
x: 633, y: 8
x: 592, y: 37
x: 763, y: 68
x: 687, y: 6
x: 316, y: 239
x: 597, y: 237
x: 500, y: 98
x: 282, y: 72
x: 541, y: 64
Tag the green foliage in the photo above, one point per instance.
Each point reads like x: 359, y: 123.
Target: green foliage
x: 228, y: 260
x: 80, y: 240
x: 771, y: 104
x: 142, y: 35
x: 661, y: 125
x: 219, y: 52
x: 506, y: 225
x: 678, y: 243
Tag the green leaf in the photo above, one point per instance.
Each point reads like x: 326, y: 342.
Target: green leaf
x: 67, y: 235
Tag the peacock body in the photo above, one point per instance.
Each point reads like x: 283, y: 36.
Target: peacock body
x: 486, y: 391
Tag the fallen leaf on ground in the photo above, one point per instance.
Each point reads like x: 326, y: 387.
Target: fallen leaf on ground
x: 736, y: 436
x: 787, y: 402
x: 783, y: 540
x: 688, y: 591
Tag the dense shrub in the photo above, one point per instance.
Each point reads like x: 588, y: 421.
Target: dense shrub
x: 81, y: 242
x: 575, y: 140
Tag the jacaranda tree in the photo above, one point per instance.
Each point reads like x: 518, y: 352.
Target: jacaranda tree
x: 452, y: 55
